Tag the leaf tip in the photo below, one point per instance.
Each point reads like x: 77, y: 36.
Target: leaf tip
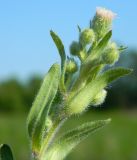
x: 51, y: 31
x: 129, y: 71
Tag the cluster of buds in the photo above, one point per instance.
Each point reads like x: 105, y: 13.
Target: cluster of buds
x: 94, y: 57
x: 86, y: 37
x: 95, y: 50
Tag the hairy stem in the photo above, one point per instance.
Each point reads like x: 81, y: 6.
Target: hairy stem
x: 49, y: 138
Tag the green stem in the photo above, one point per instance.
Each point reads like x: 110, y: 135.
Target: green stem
x: 48, y: 140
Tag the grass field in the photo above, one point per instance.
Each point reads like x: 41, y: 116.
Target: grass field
x: 117, y: 141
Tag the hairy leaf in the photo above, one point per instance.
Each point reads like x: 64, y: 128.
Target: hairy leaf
x: 94, y: 72
x: 62, y: 147
x: 101, y: 45
x: 5, y: 152
x: 81, y: 100
x: 113, y: 74
x: 42, y: 103
x: 122, y: 48
x: 94, y: 57
x: 61, y: 50
x: 79, y: 28
x: 86, y: 77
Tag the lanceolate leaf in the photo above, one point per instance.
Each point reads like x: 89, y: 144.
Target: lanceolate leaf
x: 103, y: 43
x: 61, y: 50
x: 94, y: 57
x: 5, y: 152
x: 44, y: 99
x: 86, y: 77
x: 113, y: 74
x: 79, y: 29
x: 62, y: 147
x: 60, y: 46
x: 43, y: 122
x: 122, y: 48
x: 94, y: 72
x: 81, y: 100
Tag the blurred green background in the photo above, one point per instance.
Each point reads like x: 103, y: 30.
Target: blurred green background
x: 116, y: 142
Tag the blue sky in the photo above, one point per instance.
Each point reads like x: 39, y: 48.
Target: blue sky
x: 25, y: 44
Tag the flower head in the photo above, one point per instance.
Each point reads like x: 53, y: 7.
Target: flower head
x: 102, y: 22
x: 105, y: 14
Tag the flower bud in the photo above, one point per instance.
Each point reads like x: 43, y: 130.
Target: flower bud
x: 99, y: 98
x: 102, y: 22
x: 74, y: 48
x: 71, y: 66
x: 111, y: 54
x: 87, y: 36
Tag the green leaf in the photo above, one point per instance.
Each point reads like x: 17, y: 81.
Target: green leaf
x: 94, y: 72
x: 112, y: 74
x: 41, y: 106
x: 5, y: 152
x: 62, y: 147
x: 94, y: 57
x: 79, y: 102
x: 86, y: 77
x: 59, y: 45
x: 61, y: 51
x: 122, y: 48
x: 103, y: 43
x: 79, y: 29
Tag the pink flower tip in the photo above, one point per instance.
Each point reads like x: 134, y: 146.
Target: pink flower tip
x: 105, y: 13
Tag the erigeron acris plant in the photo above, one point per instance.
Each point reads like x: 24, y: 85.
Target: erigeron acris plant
x: 70, y: 89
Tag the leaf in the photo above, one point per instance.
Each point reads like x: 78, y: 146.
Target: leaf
x: 90, y: 23
x: 102, y: 44
x: 112, y: 74
x: 62, y: 147
x: 94, y: 57
x: 59, y: 45
x: 41, y: 106
x: 86, y: 77
x: 5, y: 152
x: 44, y: 122
x: 79, y: 102
x: 61, y: 50
x: 79, y: 29
x: 94, y: 72
x: 122, y: 48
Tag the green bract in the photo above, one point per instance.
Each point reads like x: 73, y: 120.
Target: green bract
x: 70, y: 88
